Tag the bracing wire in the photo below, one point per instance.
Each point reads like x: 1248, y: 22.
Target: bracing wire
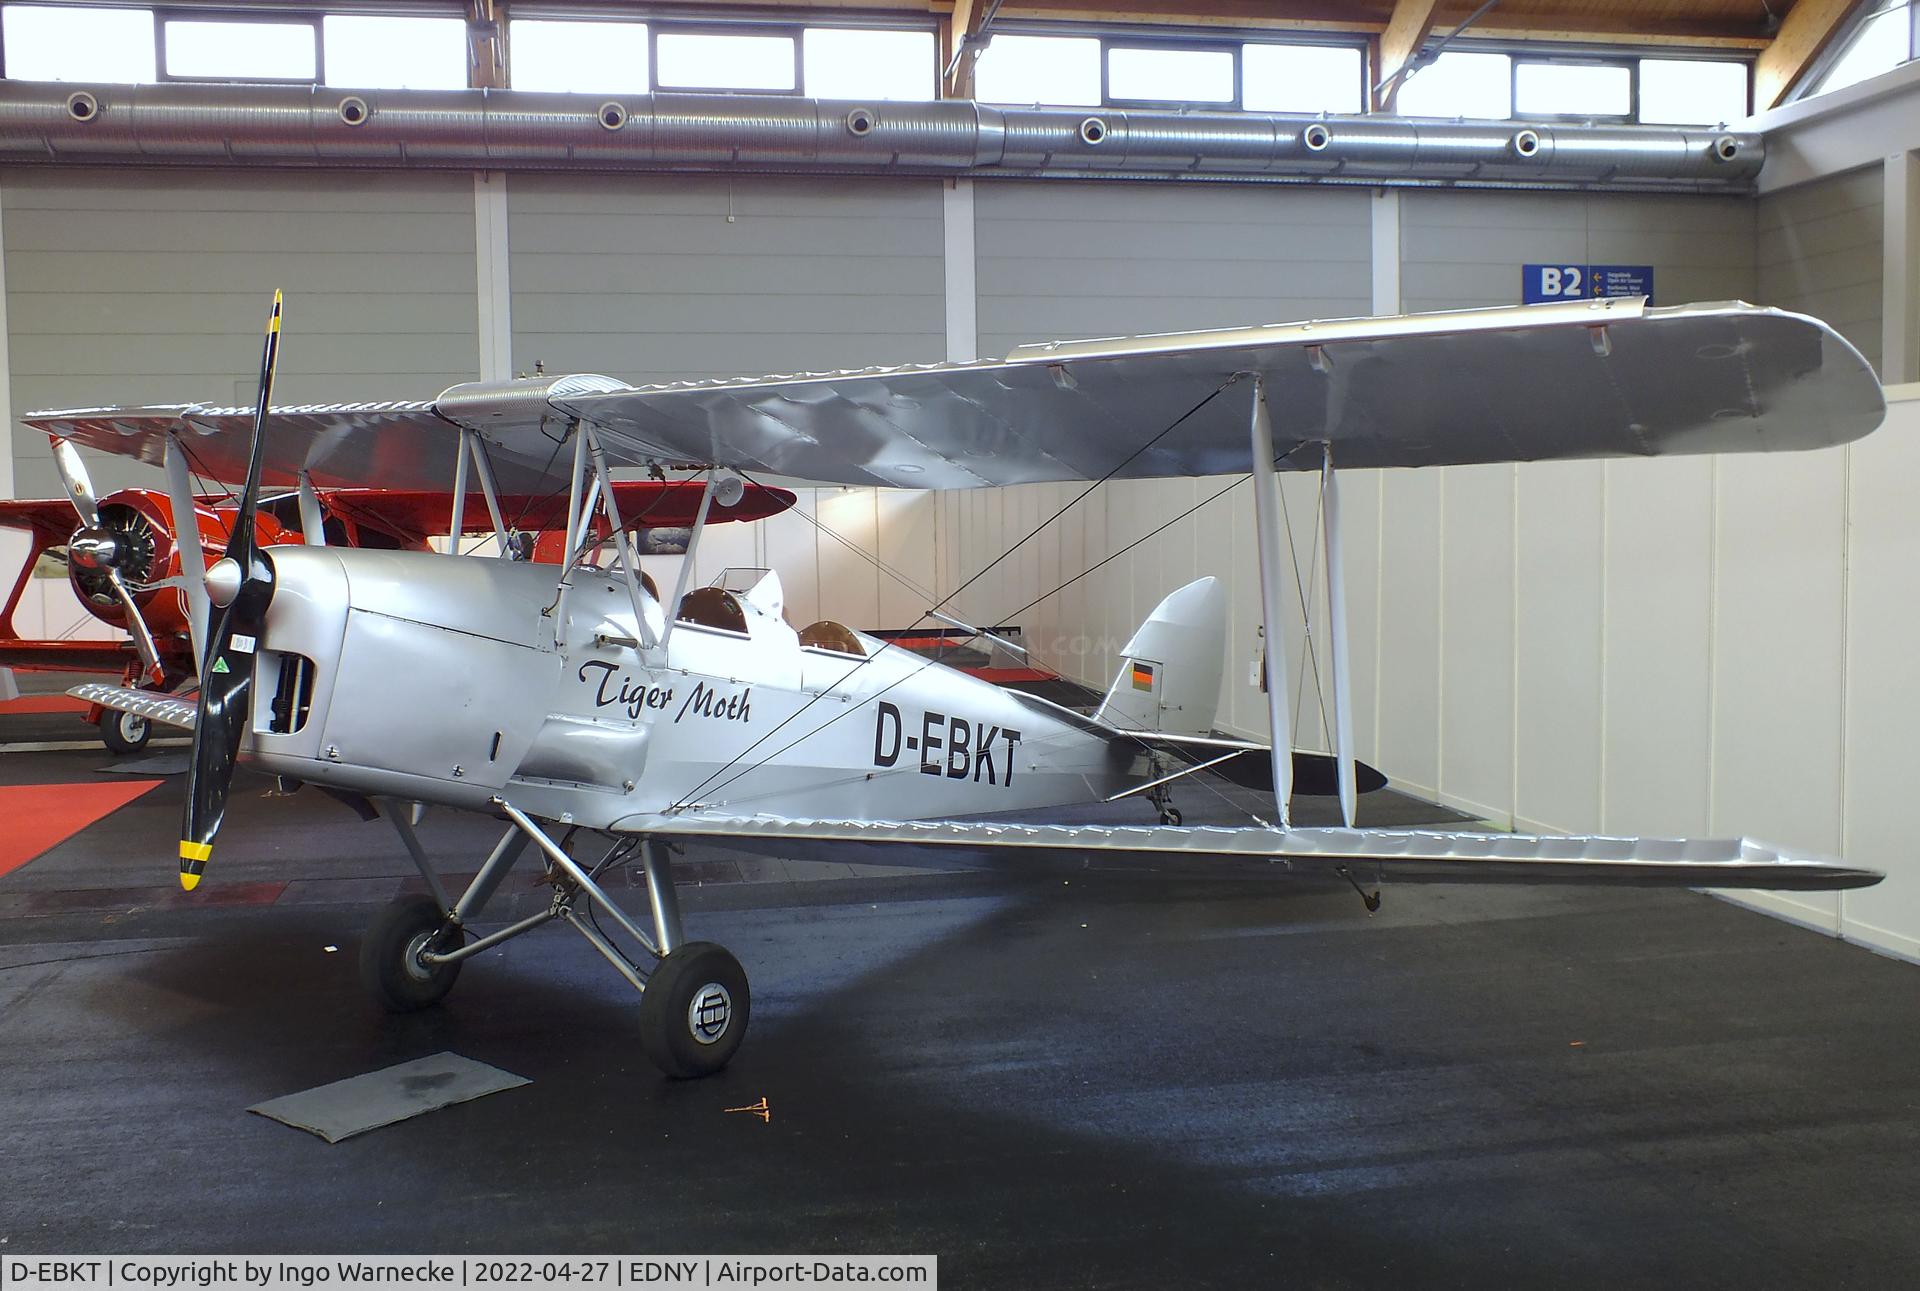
x: 928, y: 663
x: 737, y: 758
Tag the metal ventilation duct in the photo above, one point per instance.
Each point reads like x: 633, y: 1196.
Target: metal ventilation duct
x: 506, y: 129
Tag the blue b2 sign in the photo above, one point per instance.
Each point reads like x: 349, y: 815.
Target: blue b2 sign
x: 1544, y: 282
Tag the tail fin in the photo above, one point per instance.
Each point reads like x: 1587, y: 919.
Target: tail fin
x: 1169, y: 677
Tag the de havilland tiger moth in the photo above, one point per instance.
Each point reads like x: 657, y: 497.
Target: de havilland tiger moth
x: 599, y: 721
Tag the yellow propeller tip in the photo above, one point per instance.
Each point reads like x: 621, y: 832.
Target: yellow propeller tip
x: 188, y: 882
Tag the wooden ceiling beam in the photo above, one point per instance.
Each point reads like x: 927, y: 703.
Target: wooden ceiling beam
x: 1400, y: 44
x: 1808, y: 29
x: 956, y: 59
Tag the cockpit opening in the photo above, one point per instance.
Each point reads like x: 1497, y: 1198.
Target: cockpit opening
x: 713, y: 607
x: 837, y: 637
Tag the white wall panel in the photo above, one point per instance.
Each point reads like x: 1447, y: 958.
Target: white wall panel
x: 1778, y: 661
x: 793, y: 548
x: 1476, y: 641
x: 1557, y: 664
x: 1882, y: 711
x: 907, y: 534
x: 847, y: 538
x: 1657, y: 677
x: 1410, y: 609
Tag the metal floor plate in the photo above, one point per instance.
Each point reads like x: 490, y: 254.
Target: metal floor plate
x: 386, y: 1097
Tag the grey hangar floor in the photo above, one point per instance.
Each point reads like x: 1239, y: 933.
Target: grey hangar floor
x: 1119, y: 1083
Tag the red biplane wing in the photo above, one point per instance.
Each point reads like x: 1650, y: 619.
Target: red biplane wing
x: 648, y: 504
x: 38, y: 515
x: 67, y: 656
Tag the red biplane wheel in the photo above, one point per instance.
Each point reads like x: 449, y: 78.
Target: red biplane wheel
x: 124, y: 732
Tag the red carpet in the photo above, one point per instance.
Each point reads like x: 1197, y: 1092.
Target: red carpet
x: 43, y: 704
x: 35, y: 817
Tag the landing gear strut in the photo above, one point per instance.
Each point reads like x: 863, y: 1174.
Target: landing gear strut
x: 1161, y: 796
x: 694, y: 999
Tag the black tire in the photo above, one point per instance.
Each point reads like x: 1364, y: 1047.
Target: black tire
x: 389, y: 963
x: 1171, y: 816
x: 124, y: 732
x: 694, y: 1011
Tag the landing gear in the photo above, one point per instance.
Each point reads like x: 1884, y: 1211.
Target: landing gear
x: 1161, y: 796
x: 124, y: 732
x: 694, y: 1000
x: 391, y: 963
x: 694, y: 1011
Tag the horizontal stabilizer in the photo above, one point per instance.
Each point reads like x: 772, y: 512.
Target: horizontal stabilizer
x: 1417, y: 856
x: 1316, y: 774
x: 168, y: 710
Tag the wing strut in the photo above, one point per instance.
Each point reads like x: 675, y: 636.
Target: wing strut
x: 313, y: 522
x: 1267, y: 521
x: 193, y: 558
x: 686, y: 562
x: 622, y: 541
x: 1337, y: 633
x: 471, y: 447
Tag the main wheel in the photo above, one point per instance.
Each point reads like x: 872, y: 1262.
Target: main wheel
x: 1170, y: 815
x: 390, y: 955
x: 124, y: 732
x: 694, y: 1011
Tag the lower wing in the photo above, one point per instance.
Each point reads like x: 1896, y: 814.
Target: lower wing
x: 1420, y: 856
x: 154, y: 705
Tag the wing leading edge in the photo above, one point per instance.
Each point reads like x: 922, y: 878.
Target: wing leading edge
x: 1583, y: 379
x: 1418, y: 856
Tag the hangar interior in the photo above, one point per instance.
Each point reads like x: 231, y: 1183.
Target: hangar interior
x: 1683, y: 646
x: 1677, y: 646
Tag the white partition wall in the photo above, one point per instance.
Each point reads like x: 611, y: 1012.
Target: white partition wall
x: 1713, y: 645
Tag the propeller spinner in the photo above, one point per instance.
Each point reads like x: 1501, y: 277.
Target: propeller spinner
x: 226, y: 674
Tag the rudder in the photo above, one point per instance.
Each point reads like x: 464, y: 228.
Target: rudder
x: 1170, y: 670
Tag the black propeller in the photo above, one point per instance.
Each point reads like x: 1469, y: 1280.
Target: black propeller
x: 244, y: 577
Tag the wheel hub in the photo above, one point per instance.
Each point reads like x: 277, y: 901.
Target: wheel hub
x: 418, y: 969
x: 710, y: 1013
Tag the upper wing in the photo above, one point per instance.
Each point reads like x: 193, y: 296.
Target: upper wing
x: 1607, y: 378
x: 1604, y: 378
x: 1414, y: 855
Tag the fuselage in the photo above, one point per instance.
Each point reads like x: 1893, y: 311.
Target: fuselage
x: 456, y: 679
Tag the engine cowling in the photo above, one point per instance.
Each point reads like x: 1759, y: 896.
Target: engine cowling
x: 136, y: 538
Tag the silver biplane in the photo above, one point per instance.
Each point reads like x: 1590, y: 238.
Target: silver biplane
x: 579, y: 703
